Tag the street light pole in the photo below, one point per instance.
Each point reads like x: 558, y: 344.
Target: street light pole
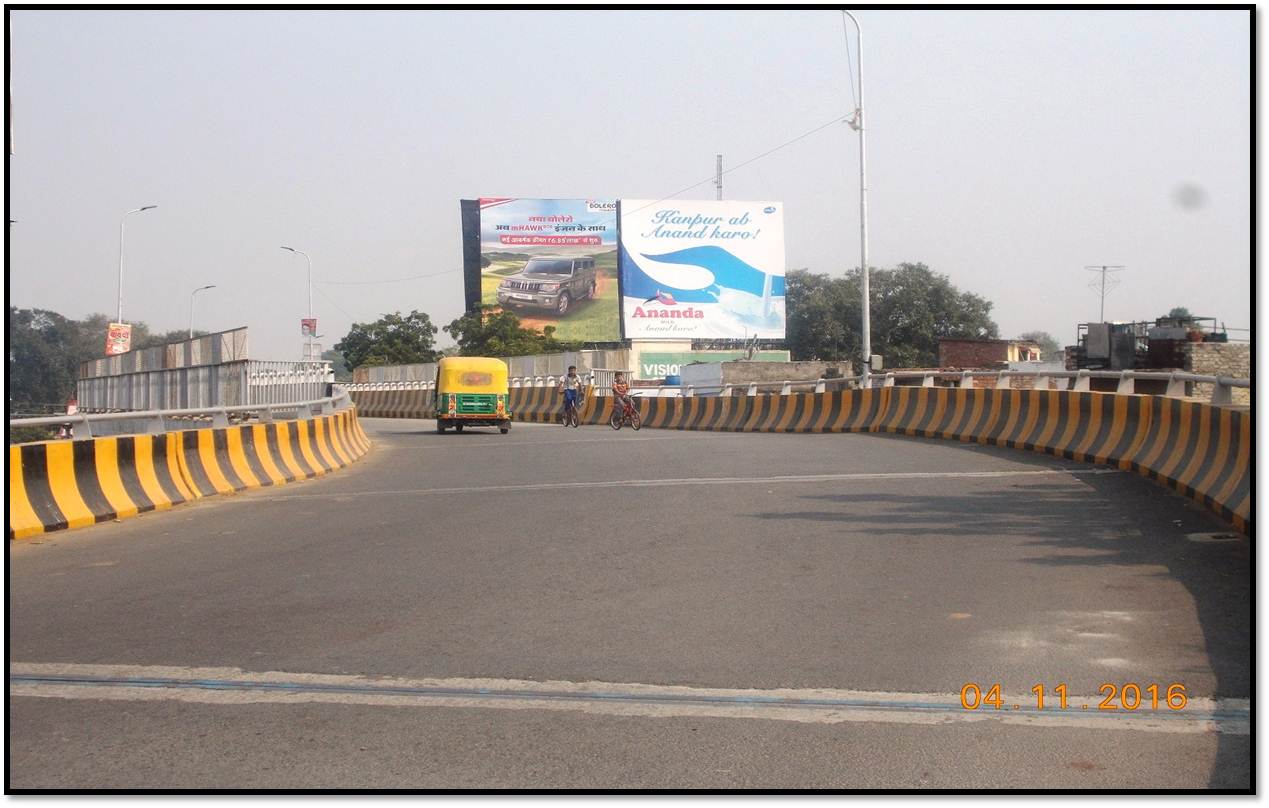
x: 308, y: 353
x: 857, y: 123
x: 119, y: 318
x: 191, y: 307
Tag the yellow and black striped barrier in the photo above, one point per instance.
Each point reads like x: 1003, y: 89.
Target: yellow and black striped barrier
x: 394, y: 403
x: 56, y: 485
x: 1197, y: 449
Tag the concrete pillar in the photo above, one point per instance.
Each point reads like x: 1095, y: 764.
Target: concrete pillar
x: 1176, y: 387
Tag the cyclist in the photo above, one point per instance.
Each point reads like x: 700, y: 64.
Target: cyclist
x: 620, y: 392
x: 571, y: 386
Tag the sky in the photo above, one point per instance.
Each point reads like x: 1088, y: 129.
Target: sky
x: 1007, y: 150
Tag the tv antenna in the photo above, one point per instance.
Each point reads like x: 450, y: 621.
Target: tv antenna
x: 1105, y: 284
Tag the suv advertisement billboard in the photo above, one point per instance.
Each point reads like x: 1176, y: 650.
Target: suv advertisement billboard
x: 553, y: 262
x: 702, y: 269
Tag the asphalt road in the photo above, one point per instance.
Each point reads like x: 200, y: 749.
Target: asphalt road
x: 587, y: 609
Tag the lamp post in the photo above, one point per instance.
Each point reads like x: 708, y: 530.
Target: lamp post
x: 308, y: 353
x: 124, y: 218
x: 191, y: 307
x: 857, y: 123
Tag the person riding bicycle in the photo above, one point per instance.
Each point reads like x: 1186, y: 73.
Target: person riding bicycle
x: 620, y: 392
x: 571, y: 385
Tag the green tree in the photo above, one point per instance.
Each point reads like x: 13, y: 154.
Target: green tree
x: 911, y: 308
x: 483, y: 332
x: 390, y: 340
x: 338, y: 365
x: 1050, y: 348
x: 1179, y: 313
x: 823, y: 320
x: 46, y: 350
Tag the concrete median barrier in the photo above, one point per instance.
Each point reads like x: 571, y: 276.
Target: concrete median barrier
x: 57, y: 485
x: 1200, y: 450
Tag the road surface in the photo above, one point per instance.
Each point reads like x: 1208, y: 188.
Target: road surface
x: 588, y: 609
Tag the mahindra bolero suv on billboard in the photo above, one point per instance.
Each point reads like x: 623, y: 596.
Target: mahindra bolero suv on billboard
x: 549, y: 282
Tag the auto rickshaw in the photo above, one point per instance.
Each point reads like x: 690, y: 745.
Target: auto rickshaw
x: 471, y: 391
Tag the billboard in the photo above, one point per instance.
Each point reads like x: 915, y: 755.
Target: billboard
x: 702, y: 269
x: 118, y: 339
x: 553, y: 262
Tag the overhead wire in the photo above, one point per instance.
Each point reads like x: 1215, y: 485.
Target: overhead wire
x: 738, y: 166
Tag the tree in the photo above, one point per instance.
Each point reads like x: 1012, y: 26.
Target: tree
x: 46, y: 350
x: 338, y: 365
x: 911, y: 308
x: 1180, y: 313
x: 483, y: 332
x: 390, y: 340
x: 1050, y: 348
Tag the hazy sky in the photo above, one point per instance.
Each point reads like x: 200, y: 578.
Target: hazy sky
x: 1005, y: 149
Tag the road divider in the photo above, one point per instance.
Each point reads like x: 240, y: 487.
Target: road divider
x: 55, y: 485
x: 1200, y: 450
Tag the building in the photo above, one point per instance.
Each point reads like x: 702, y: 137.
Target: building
x: 956, y: 352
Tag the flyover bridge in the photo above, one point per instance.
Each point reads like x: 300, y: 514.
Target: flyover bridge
x: 668, y: 608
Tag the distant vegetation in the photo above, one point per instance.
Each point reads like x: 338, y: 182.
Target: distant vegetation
x: 47, y: 348
x: 911, y: 307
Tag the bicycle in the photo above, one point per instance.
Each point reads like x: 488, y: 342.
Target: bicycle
x: 570, y: 413
x: 626, y: 414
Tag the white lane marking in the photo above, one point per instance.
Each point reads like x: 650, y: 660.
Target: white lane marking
x: 821, y: 706
x: 784, y: 478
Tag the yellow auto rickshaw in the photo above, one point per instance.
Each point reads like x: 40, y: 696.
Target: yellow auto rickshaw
x: 471, y: 391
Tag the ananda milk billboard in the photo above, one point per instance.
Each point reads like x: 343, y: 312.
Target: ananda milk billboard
x: 702, y: 269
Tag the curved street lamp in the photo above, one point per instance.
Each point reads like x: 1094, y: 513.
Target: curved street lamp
x: 191, y: 307
x: 119, y: 317
x: 309, y: 351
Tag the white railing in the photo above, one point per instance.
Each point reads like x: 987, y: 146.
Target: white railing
x: 1079, y: 380
x: 157, y: 421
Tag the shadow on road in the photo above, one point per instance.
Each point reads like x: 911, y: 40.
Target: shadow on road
x: 1122, y: 520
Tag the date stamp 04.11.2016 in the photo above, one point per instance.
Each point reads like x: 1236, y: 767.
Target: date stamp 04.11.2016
x: 1128, y: 696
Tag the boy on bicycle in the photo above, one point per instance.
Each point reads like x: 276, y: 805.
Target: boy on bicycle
x: 571, y: 385
x: 620, y: 392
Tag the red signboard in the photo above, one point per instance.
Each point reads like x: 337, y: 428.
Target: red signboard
x: 118, y: 339
x: 308, y: 326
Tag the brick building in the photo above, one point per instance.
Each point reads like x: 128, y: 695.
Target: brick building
x: 985, y: 353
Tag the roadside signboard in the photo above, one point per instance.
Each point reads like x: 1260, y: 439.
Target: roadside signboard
x: 118, y: 338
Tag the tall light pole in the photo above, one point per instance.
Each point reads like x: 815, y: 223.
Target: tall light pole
x: 308, y: 352
x: 857, y: 123
x: 119, y: 317
x: 191, y: 307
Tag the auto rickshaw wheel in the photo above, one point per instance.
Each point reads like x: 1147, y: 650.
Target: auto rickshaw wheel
x: 440, y: 427
x: 458, y: 427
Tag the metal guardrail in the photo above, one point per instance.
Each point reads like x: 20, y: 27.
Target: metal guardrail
x: 228, y: 384
x: 1079, y: 380
x: 514, y: 382
x: 156, y: 421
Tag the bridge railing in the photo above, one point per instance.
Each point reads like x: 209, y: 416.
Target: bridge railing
x: 1079, y: 380
x: 158, y: 421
